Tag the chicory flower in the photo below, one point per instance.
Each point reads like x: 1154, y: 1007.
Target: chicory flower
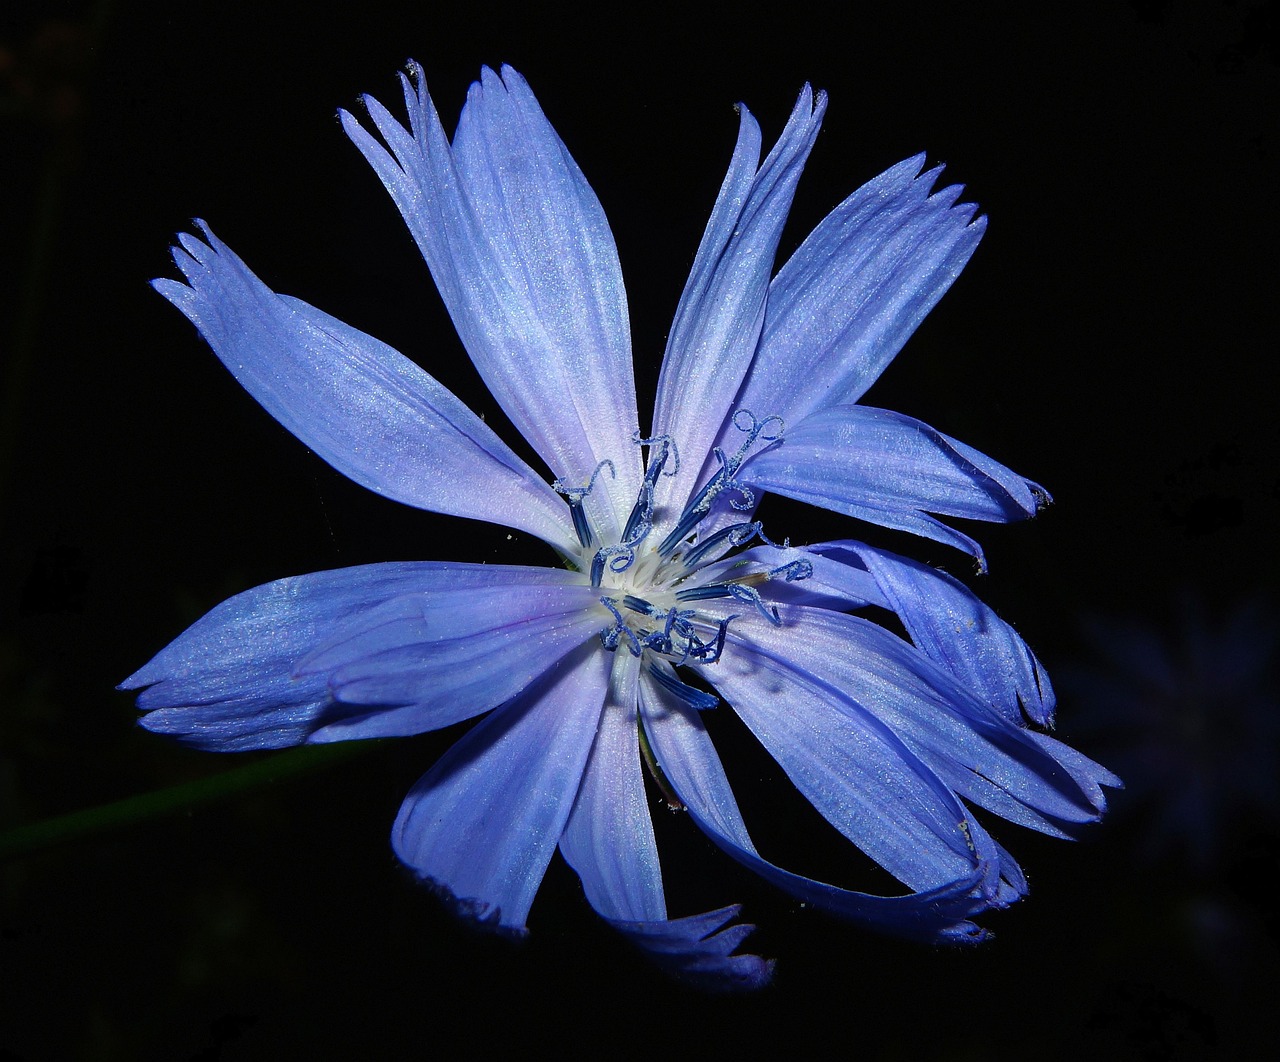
x: 597, y: 671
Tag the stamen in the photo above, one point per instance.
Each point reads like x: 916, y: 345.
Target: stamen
x: 742, y: 590
x: 734, y: 535
x: 638, y: 604
x: 794, y: 570
x: 610, y: 636
x: 575, y: 495
x: 723, y: 478
x: 666, y: 678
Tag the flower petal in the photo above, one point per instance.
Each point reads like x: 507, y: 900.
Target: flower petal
x: 609, y: 837
x: 952, y: 627
x: 366, y: 409
x: 891, y: 470
x: 522, y: 254
x: 721, y: 311
x: 845, y: 761
x: 689, y: 762
x: 967, y: 743
x: 697, y: 950
x: 228, y: 683
x: 846, y: 301
x: 427, y: 660
x: 482, y: 824
x: 609, y: 842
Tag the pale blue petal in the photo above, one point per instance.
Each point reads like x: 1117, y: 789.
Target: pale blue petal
x: 846, y: 301
x: 482, y: 824
x: 609, y: 842
x: 965, y: 742
x: 430, y: 659
x: 721, y: 310
x: 689, y: 762
x: 227, y: 683
x: 843, y: 759
x: 522, y: 254
x: 609, y: 838
x: 366, y: 409
x: 891, y: 470
x: 952, y: 627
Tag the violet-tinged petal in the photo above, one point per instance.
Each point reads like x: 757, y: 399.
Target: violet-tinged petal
x: 482, y: 824
x: 843, y: 759
x: 228, y: 684
x: 609, y: 841
x: 697, y: 950
x: 846, y: 301
x: 609, y: 837
x: 891, y: 470
x: 965, y: 742
x: 366, y: 409
x: 721, y: 310
x: 525, y: 262
x: 431, y: 659
x: 690, y: 764
x: 952, y: 627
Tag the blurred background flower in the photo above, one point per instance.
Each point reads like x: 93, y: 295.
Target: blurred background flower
x: 1187, y: 708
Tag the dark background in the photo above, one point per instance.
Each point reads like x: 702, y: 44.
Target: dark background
x: 1111, y: 339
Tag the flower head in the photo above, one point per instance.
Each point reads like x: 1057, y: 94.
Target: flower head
x: 597, y: 670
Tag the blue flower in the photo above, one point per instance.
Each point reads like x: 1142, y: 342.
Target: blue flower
x: 665, y: 578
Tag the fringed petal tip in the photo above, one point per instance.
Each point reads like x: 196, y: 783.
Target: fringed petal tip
x: 697, y: 950
x: 479, y: 915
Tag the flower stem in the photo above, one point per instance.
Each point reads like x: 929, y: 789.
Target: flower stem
x: 33, y: 837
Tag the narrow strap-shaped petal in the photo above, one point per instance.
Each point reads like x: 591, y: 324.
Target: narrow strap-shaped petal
x: 366, y: 409
x: 228, y: 684
x: 858, y: 774
x: 721, y: 310
x: 609, y: 836
x: 430, y: 659
x: 846, y: 301
x: 892, y: 470
x: 609, y: 842
x: 952, y: 627
x: 522, y: 254
x: 482, y: 824
x: 688, y: 760
x: 967, y: 743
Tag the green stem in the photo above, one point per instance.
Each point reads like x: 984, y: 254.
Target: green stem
x: 35, y: 836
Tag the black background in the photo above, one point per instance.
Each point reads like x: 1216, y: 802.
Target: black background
x: 1111, y: 339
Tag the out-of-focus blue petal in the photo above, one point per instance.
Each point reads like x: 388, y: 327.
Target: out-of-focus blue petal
x: 846, y: 301
x: 952, y: 627
x: 482, y: 824
x: 697, y: 950
x: 366, y: 409
x: 689, y: 762
x: 426, y: 660
x: 525, y: 262
x: 228, y: 683
x: 849, y: 764
x: 965, y: 742
x: 721, y: 311
x: 891, y: 470
x: 609, y: 837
